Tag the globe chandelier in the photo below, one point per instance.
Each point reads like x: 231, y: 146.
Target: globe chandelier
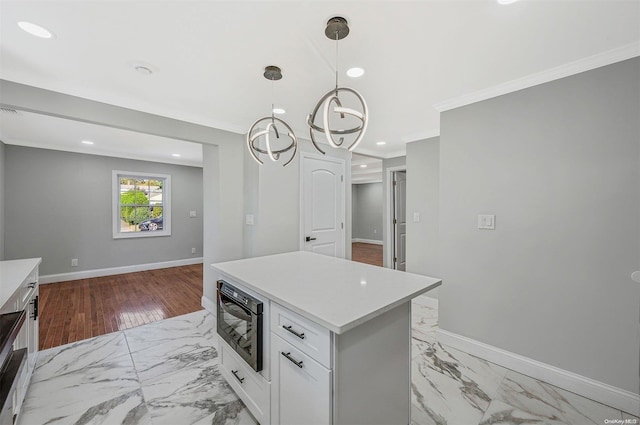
x: 259, y: 132
x: 337, y: 29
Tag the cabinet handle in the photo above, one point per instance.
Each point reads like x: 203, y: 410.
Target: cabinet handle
x: 299, y: 335
x: 34, y: 302
x: 235, y: 373
x: 291, y: 359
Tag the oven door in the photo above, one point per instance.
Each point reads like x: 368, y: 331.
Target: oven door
x: 241, y: 329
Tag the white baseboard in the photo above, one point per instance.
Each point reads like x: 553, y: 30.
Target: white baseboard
x: 372, y: 241
x: 590, y: 388
x: 209, y: 305
x: 85, y: 274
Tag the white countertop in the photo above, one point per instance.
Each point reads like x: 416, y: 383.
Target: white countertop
x: 12, y: 274
x: 335, y: 293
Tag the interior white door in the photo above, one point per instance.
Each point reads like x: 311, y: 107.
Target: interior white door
x: 323, y: 208
x: 400, y: 219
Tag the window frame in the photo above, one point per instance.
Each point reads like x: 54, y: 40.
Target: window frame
x: 115, y: 202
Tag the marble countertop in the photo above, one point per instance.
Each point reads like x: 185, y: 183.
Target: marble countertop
x: 12, y: 274
x: 335, y: 293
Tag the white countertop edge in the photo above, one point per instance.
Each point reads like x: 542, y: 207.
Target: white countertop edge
x: 332, y: 327
x: 12, y: 274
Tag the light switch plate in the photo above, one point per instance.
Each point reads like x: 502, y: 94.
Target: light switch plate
x: 192, y: 214
x: 249, y: 219
x: 416, y: 217
x: 486, y: 221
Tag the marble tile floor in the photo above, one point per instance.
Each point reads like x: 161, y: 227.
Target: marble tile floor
x: 167, y: 373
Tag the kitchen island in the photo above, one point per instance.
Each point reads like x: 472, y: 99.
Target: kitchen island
x: 335, y: 339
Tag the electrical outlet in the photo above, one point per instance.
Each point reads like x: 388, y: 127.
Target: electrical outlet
x: 192, y: 214
x: 74, y: 262
x: 486, y: 221
x: 375, y: 231
x: 249, y: 219
x: 193, y: 250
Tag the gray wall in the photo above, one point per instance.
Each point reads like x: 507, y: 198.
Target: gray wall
x: 386, y: 164
x: 59, y: 207
x: 423, y: 197
x: 559, y: 166
x: 367, y: 211
x: 1, y: 201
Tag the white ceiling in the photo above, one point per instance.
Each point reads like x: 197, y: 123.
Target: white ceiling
x: 209, y: 56
x: 371, y: 173
x: 42, y: 131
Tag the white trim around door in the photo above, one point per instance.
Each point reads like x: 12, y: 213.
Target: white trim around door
x: 389, y: 234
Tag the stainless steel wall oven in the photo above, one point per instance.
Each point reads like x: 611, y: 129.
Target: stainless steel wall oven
x: 239, y: 318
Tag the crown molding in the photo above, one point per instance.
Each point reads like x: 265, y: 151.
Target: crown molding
x: 609, y: 57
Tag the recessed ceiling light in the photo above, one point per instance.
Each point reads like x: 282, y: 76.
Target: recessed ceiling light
x: 355, y: 72
x: 34, y: 29
x: 381, y: 143
x: 278, y: 111
x: 177, y: 155
x: 87, y: 142
x: 506, y: 1
x: 363, y: 166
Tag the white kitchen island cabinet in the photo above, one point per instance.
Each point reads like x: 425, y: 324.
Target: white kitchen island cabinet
x: 337, y: 340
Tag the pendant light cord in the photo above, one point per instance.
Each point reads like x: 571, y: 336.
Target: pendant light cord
x: 336, y: 62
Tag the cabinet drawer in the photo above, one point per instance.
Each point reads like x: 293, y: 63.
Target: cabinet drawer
x: 301, y: 387
x: 27, y: 288
x: 250, y: 386
x: 307, y: 336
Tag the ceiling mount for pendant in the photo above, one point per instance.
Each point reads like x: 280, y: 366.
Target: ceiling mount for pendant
x: 337, y: 28
x: 272, y: 73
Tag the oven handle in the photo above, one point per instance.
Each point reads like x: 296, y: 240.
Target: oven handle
x: 234, y: 313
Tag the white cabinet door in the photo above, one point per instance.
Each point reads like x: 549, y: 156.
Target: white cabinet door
x: 301, y: 387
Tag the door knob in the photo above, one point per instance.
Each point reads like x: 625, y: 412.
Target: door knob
x: 309, y: 239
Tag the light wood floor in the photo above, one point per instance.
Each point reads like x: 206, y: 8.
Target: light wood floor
x: 80, y: 309
x: 367, y: 253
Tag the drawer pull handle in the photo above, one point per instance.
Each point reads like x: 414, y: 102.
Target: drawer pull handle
x: 299, y: 335
x: 235, y: 373
x: 291, y: 359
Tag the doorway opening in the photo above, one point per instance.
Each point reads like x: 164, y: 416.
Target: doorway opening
x: 367, y: 209
x: 396, y: 213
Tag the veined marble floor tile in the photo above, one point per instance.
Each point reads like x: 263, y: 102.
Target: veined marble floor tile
x: 162, y: 360
x: 194, y: 325
x: 70, y: 358
x: 551, y: 404
x: 500, y: 413
x: 451, y: 387
x: 99, y: 391
x: 127, y: 409
x: 634, y: 420
x: 194, y: 396
x: 424, y: 322
x: 419, y: 347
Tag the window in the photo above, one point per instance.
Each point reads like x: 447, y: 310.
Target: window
x: 141, y: 204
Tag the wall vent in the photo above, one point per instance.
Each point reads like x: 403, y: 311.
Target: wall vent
x: 9, y: 111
